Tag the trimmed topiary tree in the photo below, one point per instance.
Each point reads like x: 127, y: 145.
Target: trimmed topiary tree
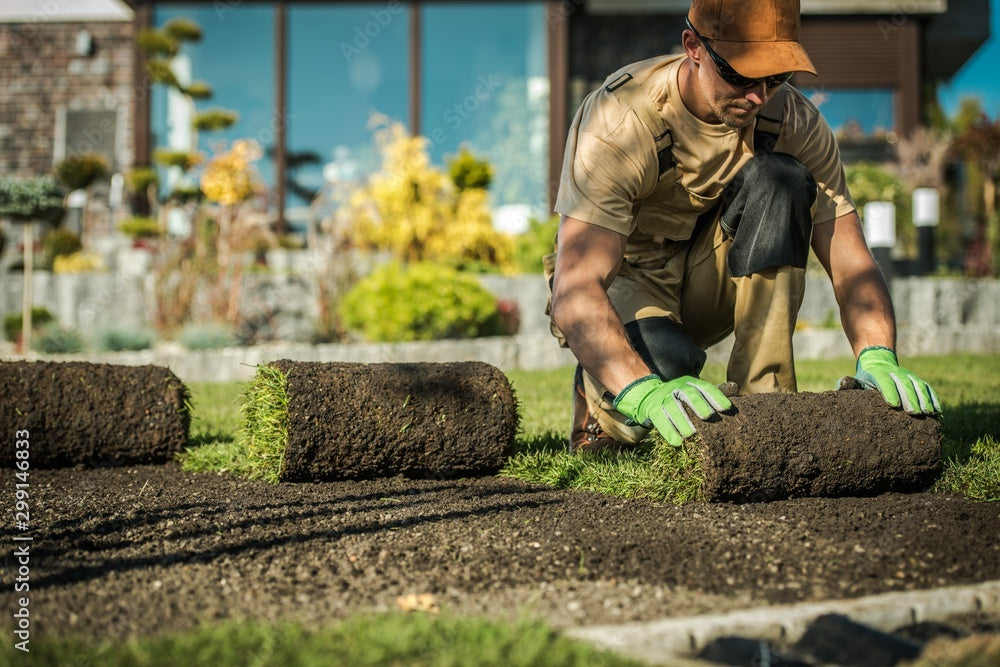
x: 26, y: 201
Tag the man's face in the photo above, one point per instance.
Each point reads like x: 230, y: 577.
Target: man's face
x: 735, y: 107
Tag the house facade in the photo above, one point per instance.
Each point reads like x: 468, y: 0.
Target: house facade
x: 501, y: 78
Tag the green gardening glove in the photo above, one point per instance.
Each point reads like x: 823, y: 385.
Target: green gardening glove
x: 651, y: 402
x: 879, y: 369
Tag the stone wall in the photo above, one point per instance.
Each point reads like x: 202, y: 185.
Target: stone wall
x: 286, y: 304
x: 43, y: 75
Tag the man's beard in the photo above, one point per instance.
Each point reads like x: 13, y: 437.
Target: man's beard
x: 735, y: 121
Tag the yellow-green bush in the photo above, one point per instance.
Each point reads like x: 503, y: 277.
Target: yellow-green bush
x: 77, y: 262
x: 413, y: 210
x: 420, y: 301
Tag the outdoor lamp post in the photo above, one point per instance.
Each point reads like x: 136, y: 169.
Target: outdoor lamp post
x: 880, y: 232
x: 926, y: 215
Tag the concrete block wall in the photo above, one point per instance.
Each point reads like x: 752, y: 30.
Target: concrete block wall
x: 936, y: 316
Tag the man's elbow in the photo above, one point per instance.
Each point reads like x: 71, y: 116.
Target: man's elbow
x: 559, y: 309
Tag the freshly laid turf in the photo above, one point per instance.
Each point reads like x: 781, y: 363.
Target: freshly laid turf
x: 968, y: 386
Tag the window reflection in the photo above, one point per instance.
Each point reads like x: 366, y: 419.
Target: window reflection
x: 855, y: 112
x: 345, y: 62
x: 485, y: 85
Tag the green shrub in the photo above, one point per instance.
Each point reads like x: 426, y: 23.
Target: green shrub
x: 199, y: 90
x: 183, y: 30
x: 139, y: 179
x: 534, y: 243
x: 185, y: 193
x: 421, y: 301
x: 868, y: 182
x: 159, y: 71
x: 57, y: 340
x: 467, y: 171
x: 140, y: 226
x: 117, y: 339
x: 211, y: 120
x: 82, y: 170
x: 157, y: 43
x: 59, y: 242
x: 171, y: 158
x: 207, y: 336
x: 40, y: 316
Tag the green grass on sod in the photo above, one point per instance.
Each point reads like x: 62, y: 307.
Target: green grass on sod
x: 386, y: 639
x: 968, y: 386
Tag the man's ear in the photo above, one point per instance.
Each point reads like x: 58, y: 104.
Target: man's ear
x: 692, y: 45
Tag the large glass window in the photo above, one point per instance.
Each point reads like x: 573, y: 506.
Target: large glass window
x: 236, y: 58
x: 869, y: 111
x: 345, y: 62
x: 485, y: 86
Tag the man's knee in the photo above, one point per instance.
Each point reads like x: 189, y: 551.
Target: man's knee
x: 665, y: 347
x: 767, y: 211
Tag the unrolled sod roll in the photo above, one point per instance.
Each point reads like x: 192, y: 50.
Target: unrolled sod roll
x: 92, y: 414
x: 353, y: 420
x: 835, y: 443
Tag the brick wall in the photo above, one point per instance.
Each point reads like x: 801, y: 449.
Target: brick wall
x: 41, y: 73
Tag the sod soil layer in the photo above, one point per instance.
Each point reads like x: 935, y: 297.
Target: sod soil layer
x: 92, y: 414
x: 150, y: 549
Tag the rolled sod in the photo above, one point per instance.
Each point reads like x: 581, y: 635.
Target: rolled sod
x: 836, y: 443
x: 312, y: 421
x: 91, y: 414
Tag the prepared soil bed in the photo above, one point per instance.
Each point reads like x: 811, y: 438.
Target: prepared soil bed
x: 150, y: 549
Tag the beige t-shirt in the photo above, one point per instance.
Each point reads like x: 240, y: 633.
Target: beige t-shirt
x: 610, y: 174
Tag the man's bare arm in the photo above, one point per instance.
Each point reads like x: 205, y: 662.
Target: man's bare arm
x: 587, y: 261
x: 865, y: 303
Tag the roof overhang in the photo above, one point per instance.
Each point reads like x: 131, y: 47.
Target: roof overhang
x: 828, y: 7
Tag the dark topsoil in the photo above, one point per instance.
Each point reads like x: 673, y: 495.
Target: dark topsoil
x: 151, y: 549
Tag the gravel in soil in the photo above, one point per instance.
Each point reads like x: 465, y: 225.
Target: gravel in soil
x: 150, y: 549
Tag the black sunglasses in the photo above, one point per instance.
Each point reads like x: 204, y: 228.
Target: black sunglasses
x: 731, y: 76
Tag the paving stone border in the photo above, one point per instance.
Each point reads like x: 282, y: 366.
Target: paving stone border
x: 659, y: 642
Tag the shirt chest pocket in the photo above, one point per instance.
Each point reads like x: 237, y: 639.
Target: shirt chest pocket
x: 671, y: 210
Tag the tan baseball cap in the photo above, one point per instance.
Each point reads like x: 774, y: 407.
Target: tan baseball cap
x: 757, y: 37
